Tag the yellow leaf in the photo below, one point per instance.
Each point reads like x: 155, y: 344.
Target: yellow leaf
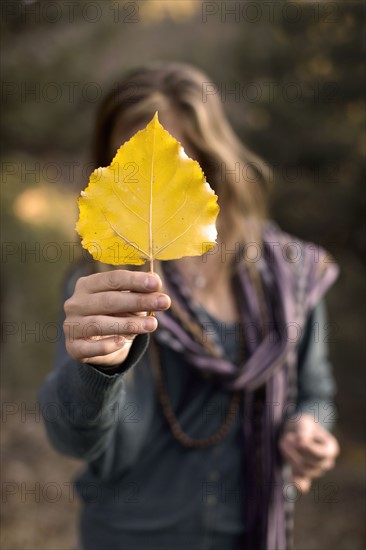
x: 152, y: 202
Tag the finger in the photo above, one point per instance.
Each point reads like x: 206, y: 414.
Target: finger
x: 109, y: 303
x: 101, y: 325
x: 84, y: 350
x: 304, y: 463
x: 119, y: 279
x: 328, y: 464
x: 311, y: 451
x: 303, y: 483
x: 310, y: 430
x: 309, y: 472
x: 312, y: 457
x: 332, y: 446
x: 300, y: 466
x: 320, y: 469
x: 315, y: 450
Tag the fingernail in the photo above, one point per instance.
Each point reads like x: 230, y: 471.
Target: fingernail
x: 150, y: 323
x: 162, y: 302
x: 151, y: 283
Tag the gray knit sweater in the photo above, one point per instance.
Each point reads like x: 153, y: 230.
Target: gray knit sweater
x: 142, y: 490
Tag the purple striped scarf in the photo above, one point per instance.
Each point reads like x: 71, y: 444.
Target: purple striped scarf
x: 295, y: 275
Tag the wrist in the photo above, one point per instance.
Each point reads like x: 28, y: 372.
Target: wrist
x: 107, y: 369
x: 111, y: 364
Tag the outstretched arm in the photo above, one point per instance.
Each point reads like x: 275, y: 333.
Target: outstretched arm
x: 106, y: 333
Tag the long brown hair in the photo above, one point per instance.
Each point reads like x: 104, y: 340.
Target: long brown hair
x: 235, y: 173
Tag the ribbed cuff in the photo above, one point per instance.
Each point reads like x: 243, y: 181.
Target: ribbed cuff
x: 98, y: 382
x: 95, y: 381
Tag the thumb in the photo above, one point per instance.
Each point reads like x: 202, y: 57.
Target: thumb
x: 304, y: 483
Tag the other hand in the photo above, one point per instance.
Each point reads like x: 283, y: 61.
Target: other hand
x: 309, y: 448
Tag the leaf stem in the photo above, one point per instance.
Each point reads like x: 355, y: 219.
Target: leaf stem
x: 151, y: 313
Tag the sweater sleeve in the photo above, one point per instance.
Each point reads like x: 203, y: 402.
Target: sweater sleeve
x: 80, y: 404
x: 316, y: 385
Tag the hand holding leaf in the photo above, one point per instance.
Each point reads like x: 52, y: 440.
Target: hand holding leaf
x: 152, y: 202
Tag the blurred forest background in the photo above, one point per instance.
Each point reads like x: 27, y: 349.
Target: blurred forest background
x: 296, y: 69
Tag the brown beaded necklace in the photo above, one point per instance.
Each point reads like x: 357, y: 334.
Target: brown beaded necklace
x: 164, y: 398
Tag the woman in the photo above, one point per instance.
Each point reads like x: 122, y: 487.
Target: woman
x: 192, y: 422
